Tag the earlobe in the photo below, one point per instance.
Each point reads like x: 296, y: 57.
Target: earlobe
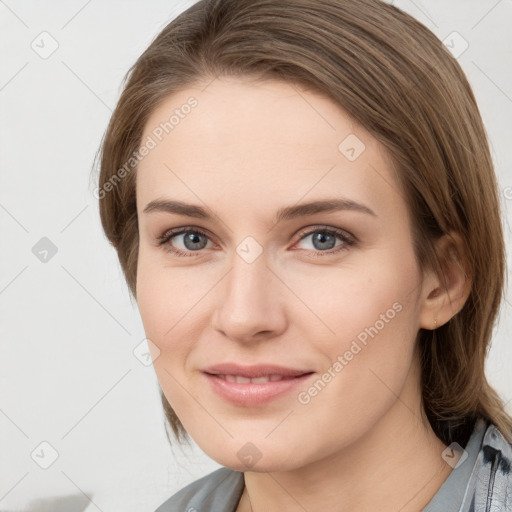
x: 447, y: 290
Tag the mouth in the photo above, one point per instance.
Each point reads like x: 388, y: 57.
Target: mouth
x: 255, y: 371
x: 255, y: 380
x: 252, y: 386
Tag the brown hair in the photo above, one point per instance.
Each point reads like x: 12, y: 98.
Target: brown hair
x: 396, y: 79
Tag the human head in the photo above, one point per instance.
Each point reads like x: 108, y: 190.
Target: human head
x: 395, y: 79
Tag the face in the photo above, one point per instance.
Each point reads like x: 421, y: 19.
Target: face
x: 314, y: 309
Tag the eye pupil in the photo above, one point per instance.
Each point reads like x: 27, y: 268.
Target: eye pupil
x: 322, y: 239
x: 191, y: 240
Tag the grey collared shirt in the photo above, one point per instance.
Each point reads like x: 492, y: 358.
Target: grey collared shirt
x: 480, y: 483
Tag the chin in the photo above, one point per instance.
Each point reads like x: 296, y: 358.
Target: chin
x: 258, y: 456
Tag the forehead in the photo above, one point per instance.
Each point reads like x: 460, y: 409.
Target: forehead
x: 260, y: 141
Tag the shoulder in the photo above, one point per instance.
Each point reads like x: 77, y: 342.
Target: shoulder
x: 495, y: 439
x: 492, y: 476
x: 219, y: 490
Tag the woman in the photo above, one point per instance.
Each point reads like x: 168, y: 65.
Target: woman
x: 304, y: 206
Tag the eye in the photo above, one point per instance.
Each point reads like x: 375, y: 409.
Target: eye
x: 323, y: 240
x: 191, y: 240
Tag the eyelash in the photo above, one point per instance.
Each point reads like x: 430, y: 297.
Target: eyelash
x: 348, y: 240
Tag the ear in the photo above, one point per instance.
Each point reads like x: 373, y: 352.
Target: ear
x: 445, y: 293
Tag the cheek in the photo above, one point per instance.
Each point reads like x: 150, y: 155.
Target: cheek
x: 153, y: 300
x: 371, y: 313
x: 341, y: 303
x: 175, y: 305
x: 167, y: 297
x: 362, y: 320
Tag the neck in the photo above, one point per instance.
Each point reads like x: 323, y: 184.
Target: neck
x: 396, y: 465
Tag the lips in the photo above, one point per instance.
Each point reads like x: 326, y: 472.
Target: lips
x: 255, y: 380
x: 255, y: 371
x: 252, y: 386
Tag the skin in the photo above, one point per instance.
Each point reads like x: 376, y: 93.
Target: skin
x: 245, y: 151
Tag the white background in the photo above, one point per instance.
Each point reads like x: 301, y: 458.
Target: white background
x: 68, y: 375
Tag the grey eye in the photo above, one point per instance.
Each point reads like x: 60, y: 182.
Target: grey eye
x: 192, y: 241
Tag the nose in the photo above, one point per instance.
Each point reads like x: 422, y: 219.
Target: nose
x: 251, y: 302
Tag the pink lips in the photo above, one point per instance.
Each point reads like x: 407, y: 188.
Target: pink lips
x: 253, y: 385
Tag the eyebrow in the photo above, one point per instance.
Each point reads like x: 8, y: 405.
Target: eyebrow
x: 287, y: 213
